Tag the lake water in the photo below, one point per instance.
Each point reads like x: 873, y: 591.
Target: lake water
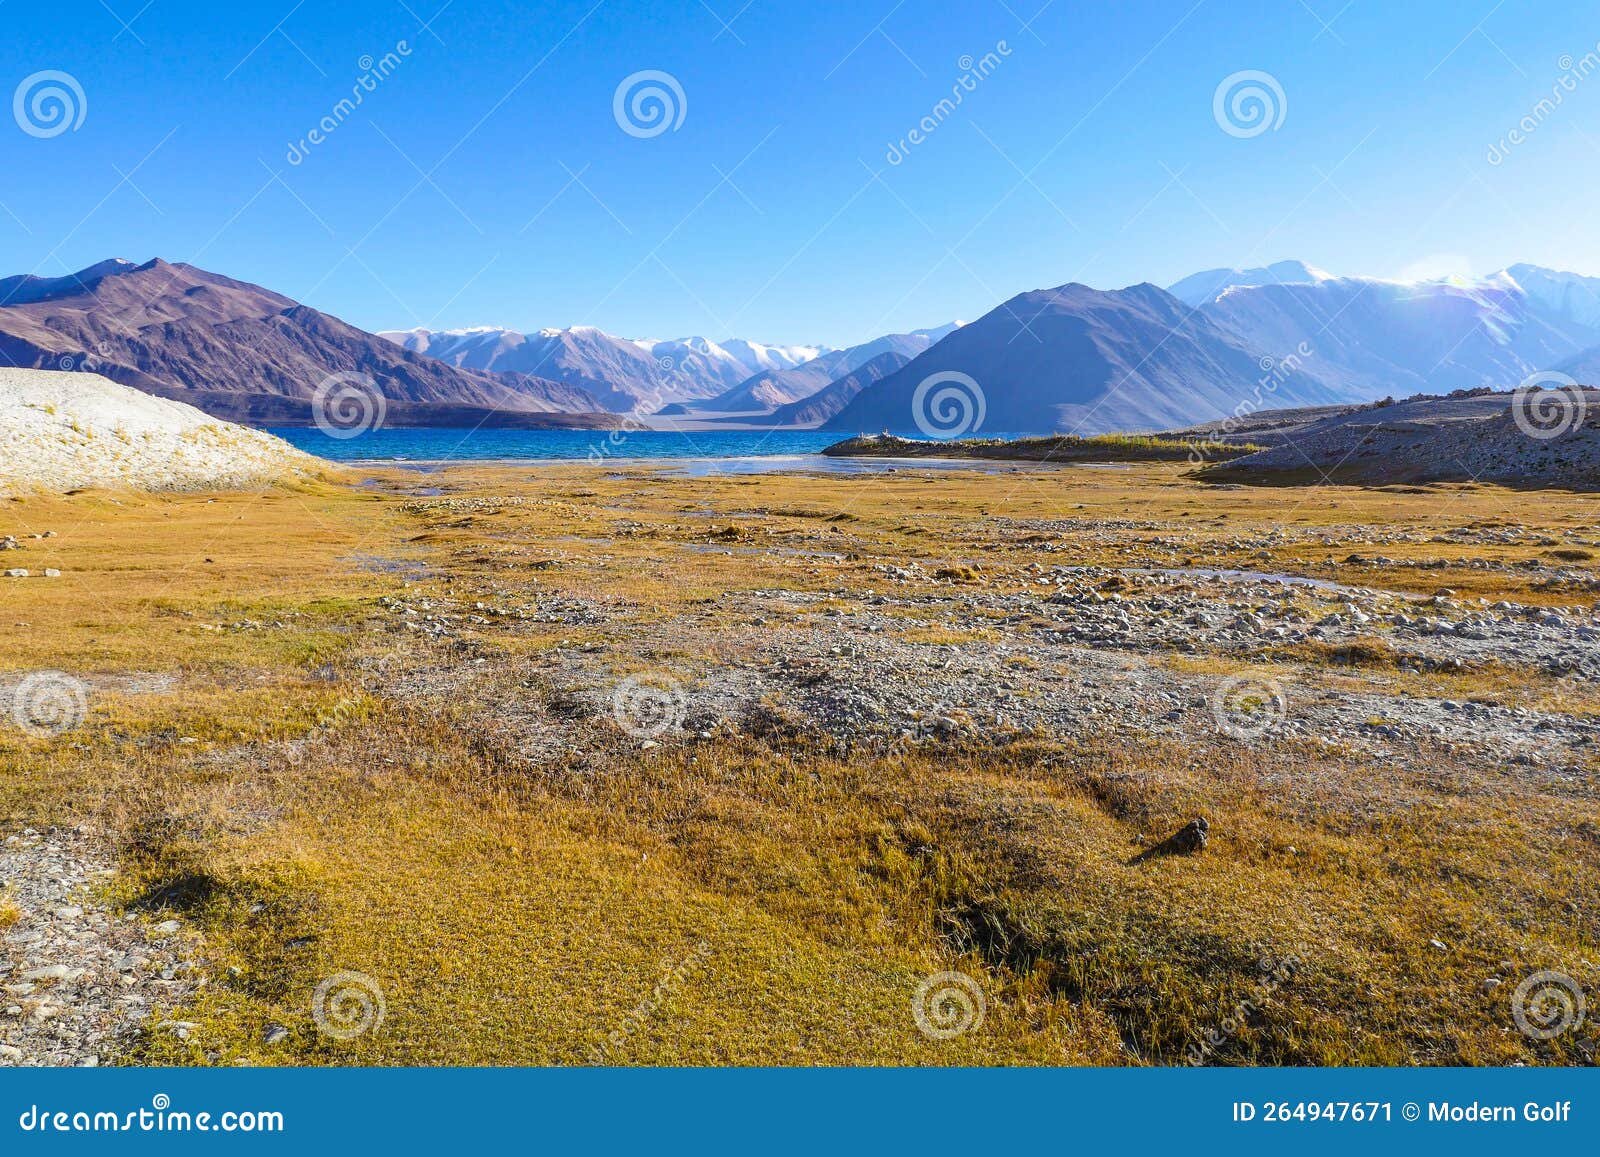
x: 391, y: 445
x: 695, y: 452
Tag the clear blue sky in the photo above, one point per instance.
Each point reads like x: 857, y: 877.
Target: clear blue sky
x: 486, y: 180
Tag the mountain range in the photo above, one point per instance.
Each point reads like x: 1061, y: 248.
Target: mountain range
x: 1071, y: 358
x: 241, y: 352
x: 624, y: 374
x: 1075, y: 358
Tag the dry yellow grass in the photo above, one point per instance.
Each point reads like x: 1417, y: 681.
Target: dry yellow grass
x: 257, y: 761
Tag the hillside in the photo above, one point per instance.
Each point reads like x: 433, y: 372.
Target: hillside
x: 238, y: 351
x: 623, y: 374
x: 775, y: 389
x: 1086, y: 361
x: 1553, y: 442
x: 836, y: 395
x: 62, y: 431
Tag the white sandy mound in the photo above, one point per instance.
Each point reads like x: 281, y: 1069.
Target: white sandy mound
x: 61, y: 431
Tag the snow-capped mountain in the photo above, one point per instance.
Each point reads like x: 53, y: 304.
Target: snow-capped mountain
x: 1569, y: 295
x: 768, y: 390
x: 1076, y: 359
x: 1198, y: 288
x: 750, y: 357
x: 242, y: 352
x: 1368, y: 337
x: 624, y: 373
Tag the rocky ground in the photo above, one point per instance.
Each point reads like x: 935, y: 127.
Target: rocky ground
x: 77, y: 976
x: 1091, y: 651
x: 1411, y: 653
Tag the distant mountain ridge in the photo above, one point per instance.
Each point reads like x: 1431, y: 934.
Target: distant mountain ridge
x: 1369, y: 337
x: 625, y: 374
x: 772, y: 391
x: 241, y: 352
x: 836, y: 395
x: 1070, y: 358
x: 1077, y: 359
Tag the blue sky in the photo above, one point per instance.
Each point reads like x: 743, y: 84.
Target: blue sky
x: 486, y: 180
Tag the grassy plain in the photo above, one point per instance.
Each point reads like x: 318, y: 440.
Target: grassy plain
x: 323, y: 735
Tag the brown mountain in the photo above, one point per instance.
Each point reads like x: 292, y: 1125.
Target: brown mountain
x: 836, y: 395
x: 247, y: 354
x: 1078, y: 360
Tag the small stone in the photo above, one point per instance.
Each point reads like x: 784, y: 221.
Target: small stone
x: 1439, y: 944
x: 166, y: 928
x: 1490, y: 983
x: 1192, y: 837
x: 274, y: 1034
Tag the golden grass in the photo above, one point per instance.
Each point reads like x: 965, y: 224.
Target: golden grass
x: 528, y: 894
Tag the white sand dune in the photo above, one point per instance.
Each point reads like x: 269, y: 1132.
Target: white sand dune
x: 62, y: 431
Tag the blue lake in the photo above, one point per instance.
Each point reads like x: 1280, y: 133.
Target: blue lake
x: 691, y: 452
x: 433, y: 445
